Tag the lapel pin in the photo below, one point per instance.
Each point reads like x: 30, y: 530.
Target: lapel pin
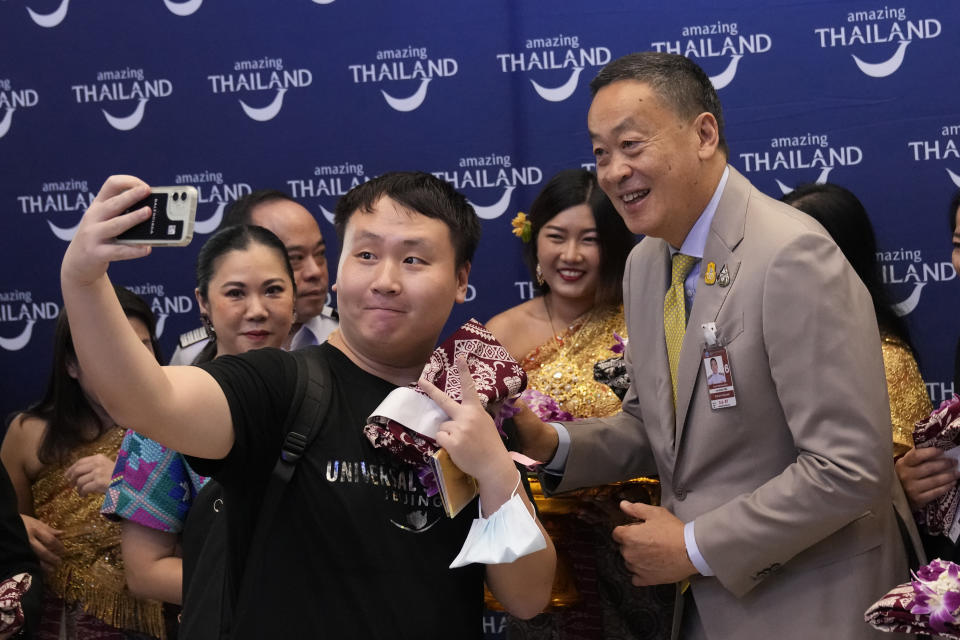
x: 723, y: 279
x: 710, y: 275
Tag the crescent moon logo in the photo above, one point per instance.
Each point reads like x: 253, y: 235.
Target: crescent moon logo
x: 495, y: 210
x: 418, y: 522
x: 561, y: 93
x: 210, y: 224
x: 820, y: 180
x: 183, y: 8
x: 128, y: 122
x: 64, y: 234
x: 411, y: 103
x: 883, y: 69
x: 326, y: 214
x: 15, y: 344
x: 5, y: 123
x: 728, y: 74
x: 50, y: 20
x: 161, y: 321
x: 908, y: 305
x: 268, y: 112
x: 823, y: 174
x: 954, y: 177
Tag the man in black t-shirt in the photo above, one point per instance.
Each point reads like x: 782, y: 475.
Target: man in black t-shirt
x: 357, y: 547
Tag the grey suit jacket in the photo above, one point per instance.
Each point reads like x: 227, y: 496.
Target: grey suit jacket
x: 790, y: 490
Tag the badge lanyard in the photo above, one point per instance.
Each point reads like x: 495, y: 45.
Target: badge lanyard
x: 719, y: 374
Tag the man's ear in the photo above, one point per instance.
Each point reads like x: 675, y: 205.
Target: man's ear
x: 463, y: 276
x: 708, y: 134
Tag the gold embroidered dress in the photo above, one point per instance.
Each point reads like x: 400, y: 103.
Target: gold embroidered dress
x: 909, y: 401
x: 601, y: 602
x: 91, y: 569
x: 562, y: 368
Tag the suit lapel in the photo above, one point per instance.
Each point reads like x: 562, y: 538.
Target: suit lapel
x: 655, y: 276
x: 725, y: 235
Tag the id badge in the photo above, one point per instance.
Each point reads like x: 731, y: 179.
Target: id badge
x: 716, y: 365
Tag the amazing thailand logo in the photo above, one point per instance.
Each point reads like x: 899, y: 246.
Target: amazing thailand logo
x: 716, y: 41
x: 398, y: 69
x: 887, y: 30
x: 552, y: 56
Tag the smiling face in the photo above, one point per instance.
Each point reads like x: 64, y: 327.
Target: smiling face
x: 659, y: 169
x: 569, y: 254
x: 249, y: 300
x: 396, y: 284
x: 300, y: 234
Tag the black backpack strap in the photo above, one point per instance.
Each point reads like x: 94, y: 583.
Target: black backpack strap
x: 302, y: 424
x: 307, y: 410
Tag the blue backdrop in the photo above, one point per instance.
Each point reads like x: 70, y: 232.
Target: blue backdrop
x: 313, y: 96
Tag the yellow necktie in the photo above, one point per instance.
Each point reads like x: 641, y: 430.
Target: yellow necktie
x: 675, y: 313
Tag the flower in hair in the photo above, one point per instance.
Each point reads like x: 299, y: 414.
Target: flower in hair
x: 521, y: 227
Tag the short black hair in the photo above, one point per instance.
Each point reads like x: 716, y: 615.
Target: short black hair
x: 423, y: 193
x: 570, y: 188
x: 240, y: 211
x: 678, y: 80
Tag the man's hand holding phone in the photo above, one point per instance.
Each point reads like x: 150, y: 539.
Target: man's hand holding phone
x: 172, y: 213
x: 123, y: 203
x: 94, y: 244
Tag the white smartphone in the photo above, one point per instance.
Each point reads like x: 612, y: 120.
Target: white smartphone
x: 171, y: 221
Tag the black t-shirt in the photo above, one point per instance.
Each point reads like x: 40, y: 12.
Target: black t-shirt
x: 356, y: 549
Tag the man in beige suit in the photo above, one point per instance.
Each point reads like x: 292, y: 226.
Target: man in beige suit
x: 777, y: 509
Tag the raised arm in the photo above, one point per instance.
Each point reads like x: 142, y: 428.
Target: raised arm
x: 181, y: 407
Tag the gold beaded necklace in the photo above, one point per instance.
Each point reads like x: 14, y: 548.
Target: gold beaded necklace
x: 561, y: 373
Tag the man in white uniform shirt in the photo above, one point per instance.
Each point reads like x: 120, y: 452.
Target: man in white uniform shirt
x: 715, y: 376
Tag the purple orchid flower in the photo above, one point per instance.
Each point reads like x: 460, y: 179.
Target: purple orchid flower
x: 937, y: 594
x: 428, y: 481
x: 621, y: 343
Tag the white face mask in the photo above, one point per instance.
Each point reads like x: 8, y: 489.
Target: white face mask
x: 509, y: 533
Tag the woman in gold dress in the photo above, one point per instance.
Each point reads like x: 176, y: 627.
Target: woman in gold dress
x: 928, y: 473
x: 60, y: 454
x: 576, y: 247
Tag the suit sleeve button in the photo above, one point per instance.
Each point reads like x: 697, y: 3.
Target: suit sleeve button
x: 680, y: 494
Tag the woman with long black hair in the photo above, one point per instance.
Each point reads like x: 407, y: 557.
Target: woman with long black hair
x: 60, y: 454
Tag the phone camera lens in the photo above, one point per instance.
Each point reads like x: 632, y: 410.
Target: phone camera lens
x: 176, y: 196
x: 183, y: 195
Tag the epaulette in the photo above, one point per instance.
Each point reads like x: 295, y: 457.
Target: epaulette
x: 330, y: 312
x: 192, y: 337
